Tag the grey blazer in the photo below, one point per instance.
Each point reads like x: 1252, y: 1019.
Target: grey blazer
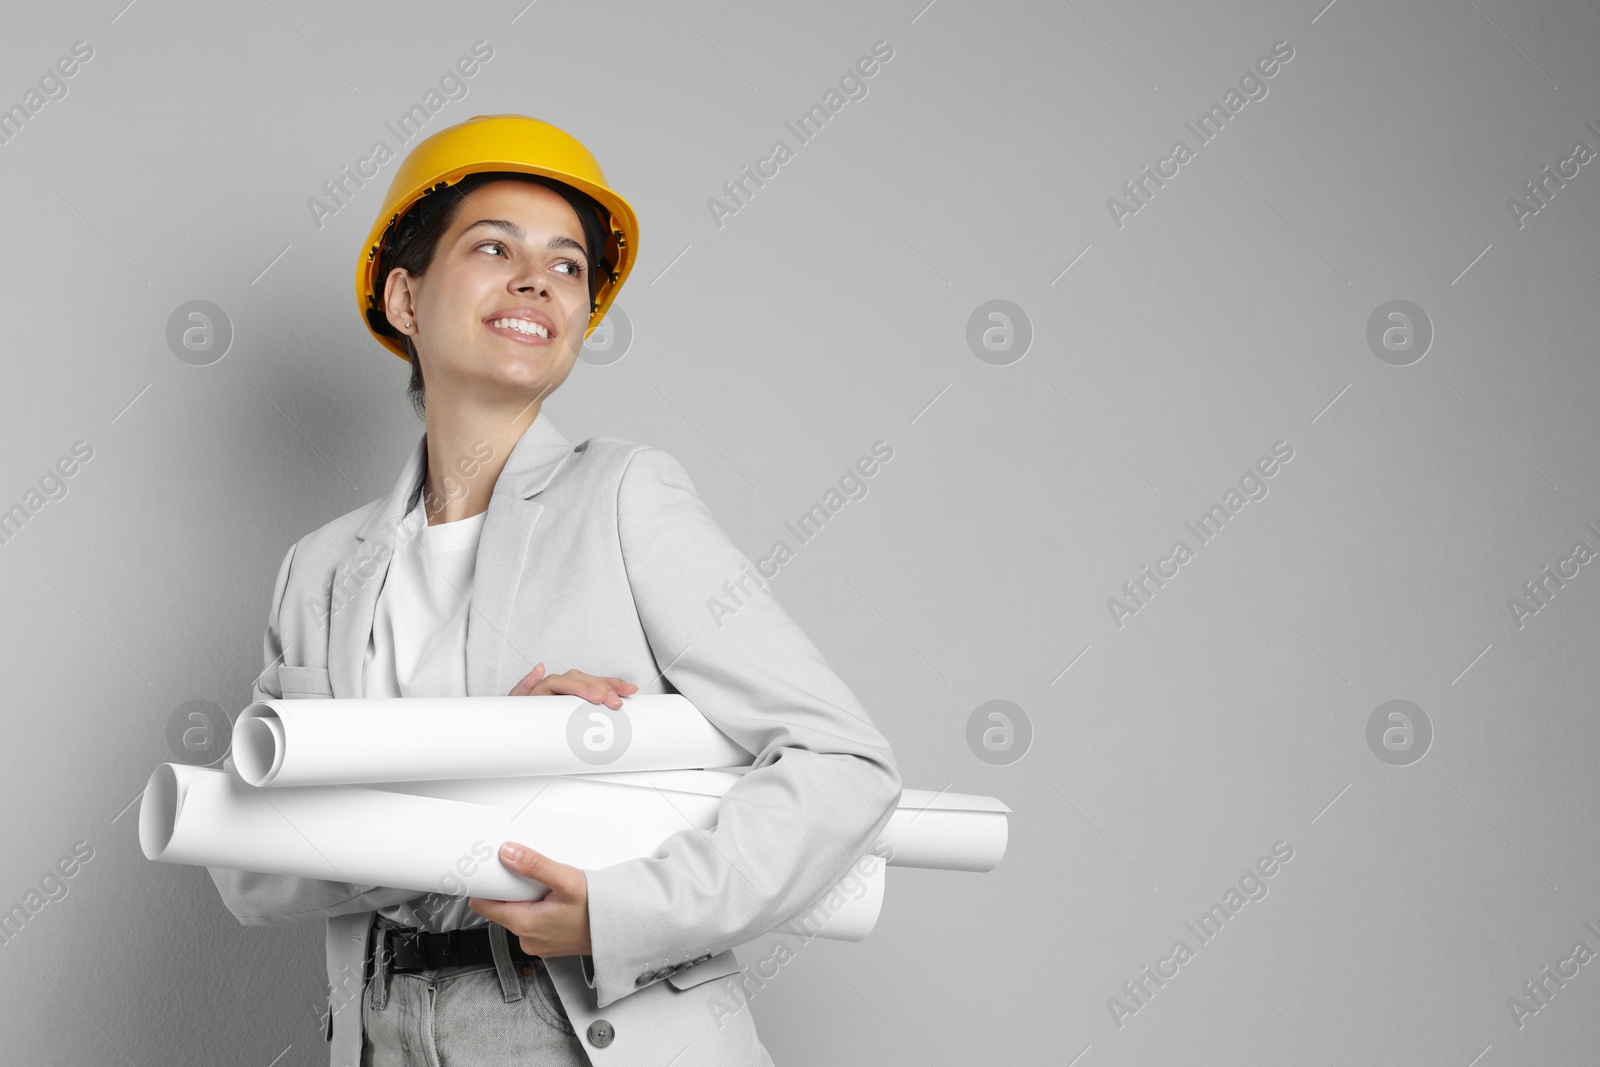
x: 602, y: 557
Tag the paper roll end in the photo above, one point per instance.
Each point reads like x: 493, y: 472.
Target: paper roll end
x: 158, y: 811
x: 993, y: 851
x: 257, y: 744
x: 1004, y: 837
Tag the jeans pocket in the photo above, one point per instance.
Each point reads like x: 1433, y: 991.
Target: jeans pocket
x: 537, y: 986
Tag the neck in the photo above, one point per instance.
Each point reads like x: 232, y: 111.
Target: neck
x: 468, y: 445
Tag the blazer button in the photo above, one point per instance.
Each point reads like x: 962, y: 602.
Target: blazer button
x: 601, y: 1033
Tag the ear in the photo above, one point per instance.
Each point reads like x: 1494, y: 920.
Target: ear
x: 398, y: 300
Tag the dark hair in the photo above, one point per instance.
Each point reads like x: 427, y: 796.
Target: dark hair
x: 411, y: 242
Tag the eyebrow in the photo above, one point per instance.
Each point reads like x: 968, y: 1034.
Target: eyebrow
x: 506, y: 226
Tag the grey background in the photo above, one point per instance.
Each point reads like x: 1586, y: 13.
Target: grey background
x: 1228, y: 314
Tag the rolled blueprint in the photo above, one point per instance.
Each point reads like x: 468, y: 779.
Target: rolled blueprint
x: 336, y: 741
x: 433, y: 844
x: 940, y: 830
x: 943, y: 830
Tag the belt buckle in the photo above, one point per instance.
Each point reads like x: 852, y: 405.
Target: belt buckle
x: 406, y: 949
x: 440, y: 949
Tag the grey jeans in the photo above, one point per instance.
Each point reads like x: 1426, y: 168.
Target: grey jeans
x: 478, y: 1015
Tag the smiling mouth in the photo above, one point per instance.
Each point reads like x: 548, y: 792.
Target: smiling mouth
x: 521, y: 329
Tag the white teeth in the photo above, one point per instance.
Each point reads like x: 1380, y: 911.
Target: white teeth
x: 522, y: 326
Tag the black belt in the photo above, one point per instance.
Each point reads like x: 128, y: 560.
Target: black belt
x: 410, y: 949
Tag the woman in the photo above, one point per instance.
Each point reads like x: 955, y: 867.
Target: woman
x: 501, y: 548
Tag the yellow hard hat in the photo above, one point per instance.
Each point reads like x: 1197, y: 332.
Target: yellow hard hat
x: 491, y: 143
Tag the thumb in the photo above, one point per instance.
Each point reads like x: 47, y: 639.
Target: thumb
x: 529, y: 681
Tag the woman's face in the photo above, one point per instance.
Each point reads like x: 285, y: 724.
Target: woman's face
x: 514, y: 250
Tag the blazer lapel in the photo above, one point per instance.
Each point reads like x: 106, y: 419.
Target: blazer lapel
x: 508, y: 541
x: 359, y: 576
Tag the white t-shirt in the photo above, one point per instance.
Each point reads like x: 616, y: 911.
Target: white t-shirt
x: 419, y: 648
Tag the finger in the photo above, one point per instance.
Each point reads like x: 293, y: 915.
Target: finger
x: 527, y: 921
x: 529, y: 681
x: 594, y: 691
x: 520, y: 859
x: 503, y: 912
x: 607, y: 690
x: 513, y: 914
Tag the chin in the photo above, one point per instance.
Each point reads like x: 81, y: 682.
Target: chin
x: 528, y: 375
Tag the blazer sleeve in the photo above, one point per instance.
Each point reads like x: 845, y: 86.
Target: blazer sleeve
x: 823, y: 784
x: 258, y: 899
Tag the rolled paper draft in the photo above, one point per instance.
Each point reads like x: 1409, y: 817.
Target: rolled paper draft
x: 365, y: 836
x: 664, y: 741
x: 333, y: 741
x: 939, y: 830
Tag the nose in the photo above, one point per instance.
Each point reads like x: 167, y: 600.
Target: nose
x: 533, y: 279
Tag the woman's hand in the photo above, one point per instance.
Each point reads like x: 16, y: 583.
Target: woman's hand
x: 557, y: 925
x: 596, y: 690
